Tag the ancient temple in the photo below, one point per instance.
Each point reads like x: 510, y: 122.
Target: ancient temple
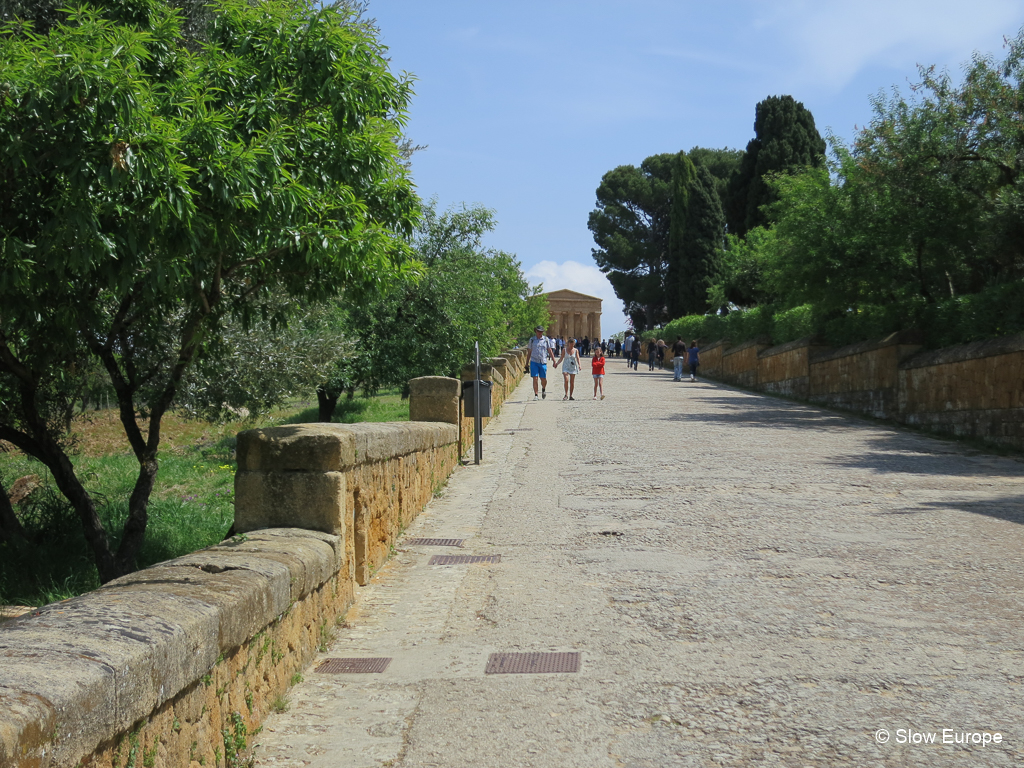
x: 574, y: 315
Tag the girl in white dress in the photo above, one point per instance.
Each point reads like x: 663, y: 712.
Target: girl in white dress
x: 571, y: 357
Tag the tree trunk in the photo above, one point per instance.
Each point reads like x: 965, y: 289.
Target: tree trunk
x: 327, y: 401
x: 63, y: 472
x: 134, y: 534
x: 10, y: 525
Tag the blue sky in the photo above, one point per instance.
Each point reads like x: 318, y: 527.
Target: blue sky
x: 524, y: 106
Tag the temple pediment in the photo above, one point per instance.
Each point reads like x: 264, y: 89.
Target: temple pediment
x: 565, y: 293
x: 574, y: 314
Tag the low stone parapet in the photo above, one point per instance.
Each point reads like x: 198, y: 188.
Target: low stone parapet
x: 156, y: 667
x: 862, y: 377
x: 970, y: 390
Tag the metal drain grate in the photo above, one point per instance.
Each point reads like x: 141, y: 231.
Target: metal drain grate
x: 461, y: 559
x: 435, y: 542
x: 344, y: 666
x: 532, y: 663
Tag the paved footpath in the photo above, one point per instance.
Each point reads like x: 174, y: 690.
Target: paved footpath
x: 748, y: 581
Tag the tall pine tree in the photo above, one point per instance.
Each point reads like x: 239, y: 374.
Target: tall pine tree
x: 784, y: 139
x: 683, y: 176
x: 705, y: 233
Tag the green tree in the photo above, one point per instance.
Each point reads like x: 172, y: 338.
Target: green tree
x: 721, y: 163
x: 699, y: 254
x: 150, y: 187
x: 468, y: 294
x: 631, y: 229
x: 785, y: 139
x: 684, y: 178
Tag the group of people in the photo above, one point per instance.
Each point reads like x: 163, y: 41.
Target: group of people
x: 567, y: 354
x: 586, y: 345
x: 568, y: 357
x: 681, y: 355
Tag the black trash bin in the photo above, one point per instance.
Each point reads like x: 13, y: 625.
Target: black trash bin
x: 485, y: 399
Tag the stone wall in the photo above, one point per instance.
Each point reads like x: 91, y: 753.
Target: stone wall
x: 739, y: 364
x: 178, y: 664
x: 174, y: 665
x: 363, y: 482
x: 862, y: 377
x: 437, y: 398
x: 711, y: 358
x: 973, y: 390
x: 786, y: 369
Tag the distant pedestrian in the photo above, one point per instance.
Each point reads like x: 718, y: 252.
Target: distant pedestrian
x: 585, y: 346
x: 662, y: 346
x: 541, y: 348
x: 694, y: 359
x: 597, y: 368
x: 627, y: 347
x: 618, y: 347
x: 678, y: 358
x: 634, y: 355
x: 652, y: 354
x: 571, y: 365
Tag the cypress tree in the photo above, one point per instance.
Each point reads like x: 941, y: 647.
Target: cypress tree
x: 784, y: 139
x: 683, y: 176
x: 705, y: 234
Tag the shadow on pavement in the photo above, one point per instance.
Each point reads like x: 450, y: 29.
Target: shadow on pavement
x: 889, y: 450
x: 1009, y: 508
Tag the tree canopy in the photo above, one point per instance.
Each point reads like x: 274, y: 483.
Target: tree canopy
x: 468, y: 293
x: 785, y: 139
x: 150, y: 187
x: 631, y: 229
x: 918, y: 223
x: 659, y: 229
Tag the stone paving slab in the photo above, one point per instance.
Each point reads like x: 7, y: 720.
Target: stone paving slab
x: 749, y: 582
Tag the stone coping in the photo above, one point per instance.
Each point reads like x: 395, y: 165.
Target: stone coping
x: 745, y: 345
x: 337, y: 447
x: 789, y: 346
x: 893, y: 339
x: 78, y: 672
x: 434, y: 386
x: 961, y: 352
x: 715, y: 344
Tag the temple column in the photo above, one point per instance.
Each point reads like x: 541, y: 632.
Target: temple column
x: 596, y: 320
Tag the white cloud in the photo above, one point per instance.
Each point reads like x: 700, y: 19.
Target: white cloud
x: 585, y: 278
x: 835, y: 41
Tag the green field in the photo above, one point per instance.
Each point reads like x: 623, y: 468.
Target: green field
x: 191, y: 506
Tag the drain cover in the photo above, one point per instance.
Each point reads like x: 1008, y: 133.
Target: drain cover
x: 460, y: 559
x: 532, y: 663
x: 342, y: 666
x: 435, y: 542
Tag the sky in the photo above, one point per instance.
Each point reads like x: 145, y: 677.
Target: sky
x: 524, y: 106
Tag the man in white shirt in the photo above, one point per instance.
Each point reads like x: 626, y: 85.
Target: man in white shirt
x: 541, y: 348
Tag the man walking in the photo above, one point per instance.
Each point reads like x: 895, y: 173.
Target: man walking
x: 541, y: 348
x: 678, y: 357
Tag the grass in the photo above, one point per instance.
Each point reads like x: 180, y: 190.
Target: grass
x: 192, y: 505
x: 387, y: 406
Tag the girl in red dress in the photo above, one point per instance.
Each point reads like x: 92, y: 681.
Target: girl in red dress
x: 597, y: 368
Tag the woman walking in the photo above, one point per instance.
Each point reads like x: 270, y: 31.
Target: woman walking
x: 694, y: 359
x: 652, y: 353
x: 571, y: 358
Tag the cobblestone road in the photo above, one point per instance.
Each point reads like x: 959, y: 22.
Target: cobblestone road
x: 749, y: 581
